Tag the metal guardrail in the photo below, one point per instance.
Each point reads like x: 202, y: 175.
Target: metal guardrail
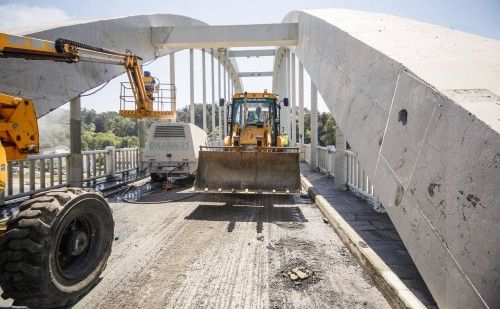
x: 357, y: 179
x: 44, y: 172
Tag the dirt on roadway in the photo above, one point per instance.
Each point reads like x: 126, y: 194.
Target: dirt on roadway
x: 215, y: 251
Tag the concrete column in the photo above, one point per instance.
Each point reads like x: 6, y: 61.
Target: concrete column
x: 204, y: 82
x: 213, y: 89
x: 314, y: 126
x: 286, y: 110
x: 220, y: 109
x: 173, y: 91
x: 75, y: 133
x: 292, y: 99
x: 191, y: 86
x: 301, y: 105
x: 224, y: 121
x: 340, y: 179
x: 282, y: 92
x: 142, y: 132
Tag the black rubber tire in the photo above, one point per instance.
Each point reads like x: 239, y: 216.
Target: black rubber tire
x: 30, y: 271
x: 155, y: 177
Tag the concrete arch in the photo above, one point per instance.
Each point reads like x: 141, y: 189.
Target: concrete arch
x: 52, y: 84
x: 436, y: 172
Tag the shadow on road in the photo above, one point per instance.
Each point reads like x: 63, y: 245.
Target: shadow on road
x: 259, y: 214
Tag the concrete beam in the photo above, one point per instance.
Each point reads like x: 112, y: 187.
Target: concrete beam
x: 75, y: 133
x: 225, y: 36
x: 252, y: 53
x: 254, y: 74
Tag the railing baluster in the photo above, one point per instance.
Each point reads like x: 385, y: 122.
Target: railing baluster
x: 32, y: 175
x: 59, y: 170
x: 9, y: 178
x: 42, y: 173
x: 51, y: 167
x: 94, y: 169
x: 21, y: 176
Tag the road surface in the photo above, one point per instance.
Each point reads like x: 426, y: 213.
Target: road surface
x: 206, y: 252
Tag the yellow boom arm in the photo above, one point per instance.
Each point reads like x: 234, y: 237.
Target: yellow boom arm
x: 13, y: 46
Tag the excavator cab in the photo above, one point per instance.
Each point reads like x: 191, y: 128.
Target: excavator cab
x: 255, y: 157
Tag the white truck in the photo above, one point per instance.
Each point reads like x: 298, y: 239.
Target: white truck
x: 172, y: 149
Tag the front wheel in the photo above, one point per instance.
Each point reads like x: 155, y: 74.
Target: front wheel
x: 55, y: 249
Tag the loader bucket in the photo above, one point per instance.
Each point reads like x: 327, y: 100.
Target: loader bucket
x: 223, y: 170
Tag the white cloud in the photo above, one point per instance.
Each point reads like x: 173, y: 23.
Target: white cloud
x: 19, y: 16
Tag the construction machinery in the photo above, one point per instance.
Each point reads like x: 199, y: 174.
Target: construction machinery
x: 54, y: 246
x: 255, y: 157
x: 172, y: 149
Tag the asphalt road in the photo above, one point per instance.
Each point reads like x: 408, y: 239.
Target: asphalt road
x: 216, y: 251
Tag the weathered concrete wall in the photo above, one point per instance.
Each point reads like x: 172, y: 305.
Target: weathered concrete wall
x: 420, y: 104
x: 52, y: 84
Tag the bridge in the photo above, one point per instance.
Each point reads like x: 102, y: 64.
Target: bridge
x: 418, y: 105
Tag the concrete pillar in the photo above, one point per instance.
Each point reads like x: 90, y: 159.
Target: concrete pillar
x: 204, y: 86
x: 314, y: 126
x: 191, y: 86
x: 224, y: 121
x: 340, y: 179
x: 173, y: 91
x: 301, y: 105
x: 142, y: 132
x: 220, y: 96
x: 213, y: 88
x: 292, y: 100
x: 75, y: 133
x: 286, y: 110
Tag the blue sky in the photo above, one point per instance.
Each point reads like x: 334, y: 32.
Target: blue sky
x: 480, y: 17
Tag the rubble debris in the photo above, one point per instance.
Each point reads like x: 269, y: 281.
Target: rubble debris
x: 299, y: 273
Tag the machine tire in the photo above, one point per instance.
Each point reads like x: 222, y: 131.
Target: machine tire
x: 155, y: 177
x: 55, y: 248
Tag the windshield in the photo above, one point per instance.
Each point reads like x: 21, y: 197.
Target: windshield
x: 252, y: 111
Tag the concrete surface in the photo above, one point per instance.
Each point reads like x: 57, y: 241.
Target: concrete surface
x: 207, y: 253
x: 419, y: 104
x: 225, y: 36
x: 376, y: 230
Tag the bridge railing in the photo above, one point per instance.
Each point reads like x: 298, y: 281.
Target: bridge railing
x: 50, y: 171
x: 357, y: 179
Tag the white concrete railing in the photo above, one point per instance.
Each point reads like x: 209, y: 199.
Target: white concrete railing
x: 44, y: 172
x: 357, y: 179
x: 326, y: 160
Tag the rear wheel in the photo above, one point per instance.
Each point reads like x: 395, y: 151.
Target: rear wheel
x: 55, y: 249
x: 155, y: 177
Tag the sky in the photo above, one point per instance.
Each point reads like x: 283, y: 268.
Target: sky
x: 481, y: 17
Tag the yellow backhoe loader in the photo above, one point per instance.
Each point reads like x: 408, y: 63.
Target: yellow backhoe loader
x: 255, y: 157
x: 54, y: 246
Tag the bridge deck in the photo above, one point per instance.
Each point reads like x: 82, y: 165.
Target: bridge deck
x: 376, y: 229
x: 211, y: 251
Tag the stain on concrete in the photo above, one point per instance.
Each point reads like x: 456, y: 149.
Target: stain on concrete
x: 400, y: 191
x: 474, y: 200
x: 432, y: 187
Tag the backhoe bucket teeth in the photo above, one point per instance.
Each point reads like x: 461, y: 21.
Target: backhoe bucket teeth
x: 223, y: 170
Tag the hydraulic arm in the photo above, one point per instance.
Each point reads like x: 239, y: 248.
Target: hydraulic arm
x: 13, y: 46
